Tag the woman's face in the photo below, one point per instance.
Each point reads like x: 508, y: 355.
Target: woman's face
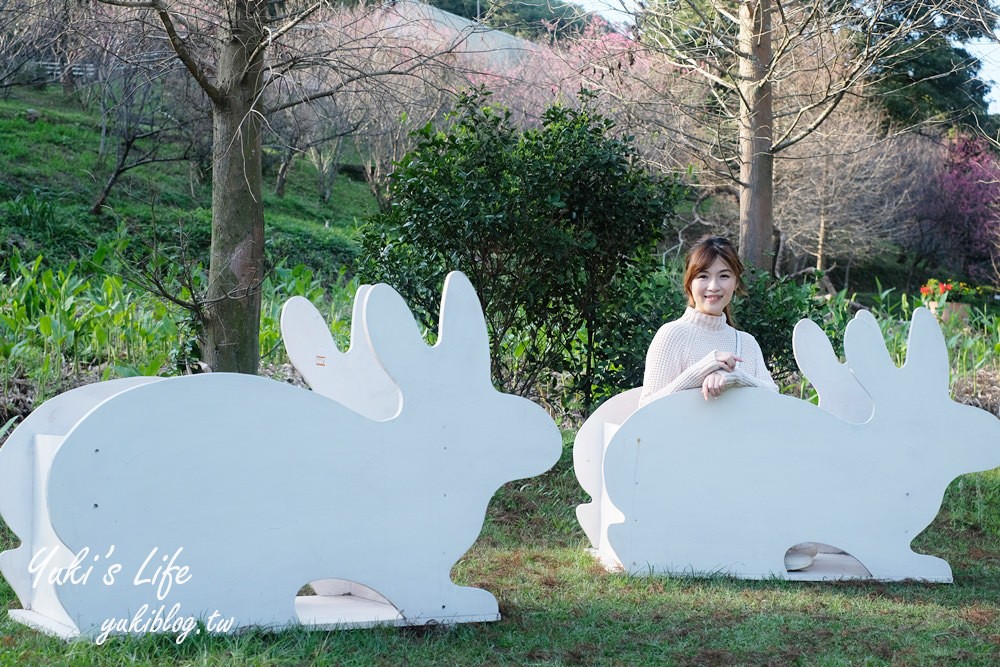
x: 712, y: 288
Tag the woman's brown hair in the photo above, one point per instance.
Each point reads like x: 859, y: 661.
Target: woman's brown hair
x: 702, y: 255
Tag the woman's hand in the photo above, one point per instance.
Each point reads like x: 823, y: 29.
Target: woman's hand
x: 713, y: 385
x: 727, y: 361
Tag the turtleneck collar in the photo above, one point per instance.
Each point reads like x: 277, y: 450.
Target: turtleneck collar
x: 710, y: 322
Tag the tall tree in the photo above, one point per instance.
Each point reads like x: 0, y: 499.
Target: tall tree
x: 751, y: 49
x: 251, y: 58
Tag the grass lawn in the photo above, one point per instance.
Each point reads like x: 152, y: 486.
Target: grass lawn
x: 560, y: 608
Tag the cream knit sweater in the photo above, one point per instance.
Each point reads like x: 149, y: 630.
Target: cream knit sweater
x: 682, y: 354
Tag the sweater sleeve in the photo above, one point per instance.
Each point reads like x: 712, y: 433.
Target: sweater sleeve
x: 665, y: 373
x: 752, y: 371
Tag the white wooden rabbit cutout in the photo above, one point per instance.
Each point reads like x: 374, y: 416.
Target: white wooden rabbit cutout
x: 217, y: 497
x: 688, y: 486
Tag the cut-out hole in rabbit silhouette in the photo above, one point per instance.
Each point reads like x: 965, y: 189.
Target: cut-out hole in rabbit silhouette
x: 865, y: 471
x: 336, y: 602
x: 817, y: 561
x: 256, y: 487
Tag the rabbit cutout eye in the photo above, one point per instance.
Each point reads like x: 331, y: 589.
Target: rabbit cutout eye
x: 838, y: 389
x: 926, y: 354
x: 868, y: 357
x: 463, y: 338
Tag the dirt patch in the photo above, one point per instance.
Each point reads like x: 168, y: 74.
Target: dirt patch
x: 981, y: 390
x: 978, y: 615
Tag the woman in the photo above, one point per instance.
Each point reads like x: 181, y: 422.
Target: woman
x: 703, y: 348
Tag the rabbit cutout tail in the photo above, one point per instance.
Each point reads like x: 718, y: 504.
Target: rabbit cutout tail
x: 588, y: 462
x: 19, y: 461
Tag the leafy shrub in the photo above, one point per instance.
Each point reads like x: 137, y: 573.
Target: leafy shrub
x: 769, y: 312
x: 552, y: 225
x: 83, y: 319
x: 648, y: 302
x: 325, y: 250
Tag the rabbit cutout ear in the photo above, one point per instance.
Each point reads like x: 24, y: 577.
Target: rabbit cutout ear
x: 840, y: 394
x: 308, y: 342
x: 926, y: 354
x: 868, y: 357
x: 394, y: 336
x: 354, y: 378
x: 463, y: 337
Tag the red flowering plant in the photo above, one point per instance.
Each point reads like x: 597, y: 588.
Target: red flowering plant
x: 940, y: 291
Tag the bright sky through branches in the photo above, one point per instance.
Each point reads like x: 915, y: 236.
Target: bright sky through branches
x: 987, y: 51
x: 989, y: 54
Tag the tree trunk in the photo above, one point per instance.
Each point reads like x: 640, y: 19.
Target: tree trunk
x: 756, y: 135
x: 826, y: 202
x: 283, y: 169
x: 236, y: 269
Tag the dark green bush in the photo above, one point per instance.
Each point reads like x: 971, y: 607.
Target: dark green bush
x: 649, y: 302
x: 769, y: 312
x: 552, y: 225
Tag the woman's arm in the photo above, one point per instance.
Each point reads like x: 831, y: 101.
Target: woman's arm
x: 752, y: 371
x: 665, y: 373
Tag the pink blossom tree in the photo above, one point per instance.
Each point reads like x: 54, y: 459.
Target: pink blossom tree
x: 958, y: 210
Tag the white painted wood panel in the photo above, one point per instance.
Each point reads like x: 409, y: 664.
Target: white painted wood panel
x: 728, y: 485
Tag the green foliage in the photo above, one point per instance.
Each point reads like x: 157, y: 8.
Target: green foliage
x: 770, y: 311
x: 934, y: 80
x: 47, y: 187
x: 86, y: 323
x: 39, y: 222
x: 648, y: 302
x: 327, y: 250
x: 550, y: 224
x: 926, y: 74
x: 54, y: 319
x: 972, y: 501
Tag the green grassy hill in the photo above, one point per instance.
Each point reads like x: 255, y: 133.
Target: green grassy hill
x: 50, y: 176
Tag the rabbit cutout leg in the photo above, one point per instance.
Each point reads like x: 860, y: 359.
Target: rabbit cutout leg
x: 909, y: 565
x: 900, y: 562
x: 421, y: 599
